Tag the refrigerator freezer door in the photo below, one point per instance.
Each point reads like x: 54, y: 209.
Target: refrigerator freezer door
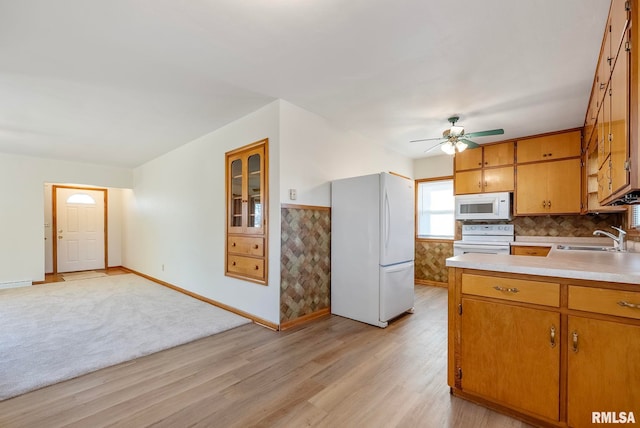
x: 397, y: 219
x: 396, y: 290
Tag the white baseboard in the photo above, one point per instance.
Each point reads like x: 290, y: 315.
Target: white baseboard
x: 15, y: 284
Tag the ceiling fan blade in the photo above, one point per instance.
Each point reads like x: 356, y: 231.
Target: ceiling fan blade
x: 426, y: 139
x: 485, y: 133
x: 470, y: 144
x: 433, y: 148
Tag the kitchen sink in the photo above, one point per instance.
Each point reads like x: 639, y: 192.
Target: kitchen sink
x: 584, y: 248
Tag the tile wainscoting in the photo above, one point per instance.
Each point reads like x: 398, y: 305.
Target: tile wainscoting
x: 430, y: 259
x: 305, y: 263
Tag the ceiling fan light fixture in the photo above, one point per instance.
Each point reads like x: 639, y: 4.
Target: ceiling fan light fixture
x: 456, y: 131
x: 448, y: 148
x: 461, y: 146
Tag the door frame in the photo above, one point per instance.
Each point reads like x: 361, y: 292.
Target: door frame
x: 54, y: 221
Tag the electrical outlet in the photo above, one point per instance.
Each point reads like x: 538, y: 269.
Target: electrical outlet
x: 162, y: 267
x: 293, y: 194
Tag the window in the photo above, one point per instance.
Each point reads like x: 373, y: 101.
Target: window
x: 81, y: 198
x: 435, y: 209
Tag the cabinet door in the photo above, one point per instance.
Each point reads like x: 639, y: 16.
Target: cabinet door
x: 469, y: 159
x: 531, y: 191
x: 619, y: 140
x: 603, y: 369
x: 510, y: 354
x: 235, y: 193
x: 498, y: 154
x: 468, y: 182
x: 604, y: 182
x: 603, y: 129
x: 563, y: 187
x: 498, y: 179
x: 255, y: 191
x: 550, y: 147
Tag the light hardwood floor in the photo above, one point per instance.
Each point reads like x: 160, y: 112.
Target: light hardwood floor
x: 334, y: 372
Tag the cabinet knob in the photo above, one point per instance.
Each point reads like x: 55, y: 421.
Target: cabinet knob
x: 574, y: 341
x: 552, y: 336
x: 233, y: 244
x: 255, y: 247
x: 549, y: 204
x: 544, y: 204
x: 233, y: 263
x: 257, y: 267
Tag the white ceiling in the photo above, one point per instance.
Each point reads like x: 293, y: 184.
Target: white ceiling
x: 120, y: 82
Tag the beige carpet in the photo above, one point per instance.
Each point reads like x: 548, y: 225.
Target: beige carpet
x: 54, y: 332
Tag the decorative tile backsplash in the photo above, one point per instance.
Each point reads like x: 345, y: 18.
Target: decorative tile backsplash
x: 431, y: 255
x: 568, y: 225
x: 305, y: 262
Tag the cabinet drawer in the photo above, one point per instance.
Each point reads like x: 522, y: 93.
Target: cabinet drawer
x: 603, y: 301
x: 528, y: 250
x: 517, y: 290
x: 246, y: 245
x: 246, y: 266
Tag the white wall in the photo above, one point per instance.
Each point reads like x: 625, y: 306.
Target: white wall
x: 22, y: 181
x: 175, y: 216
x: 433, y: 166
x: 313, y: 152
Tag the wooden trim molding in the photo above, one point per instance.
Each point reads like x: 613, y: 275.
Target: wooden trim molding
x: 305, y: 207
x: 305, y: 319
x: 253, y: 318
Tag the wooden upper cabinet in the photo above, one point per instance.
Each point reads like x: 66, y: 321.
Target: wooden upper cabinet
x: 469, y: 159
x: 549, y: 147
x: 549, y: 188
x: 498, y: 154
x: 486, y: 156
x: 618, y: 134
x: 247, y: 202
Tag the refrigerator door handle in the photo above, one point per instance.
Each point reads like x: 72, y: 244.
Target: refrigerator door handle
x: 387, y: 220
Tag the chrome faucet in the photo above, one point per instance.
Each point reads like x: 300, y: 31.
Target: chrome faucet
x: 619, y: 242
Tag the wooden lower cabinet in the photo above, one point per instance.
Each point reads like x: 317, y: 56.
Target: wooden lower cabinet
x: 549, y: 351
x: 530, y: 250
x: 603, y: 372
x: 508, y: 356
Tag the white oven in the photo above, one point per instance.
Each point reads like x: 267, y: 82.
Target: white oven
x: 484, y: 238
x: 483, y: 207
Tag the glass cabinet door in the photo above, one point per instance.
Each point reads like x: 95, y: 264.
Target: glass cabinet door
x: 235, y: 196
x: 254, y: 191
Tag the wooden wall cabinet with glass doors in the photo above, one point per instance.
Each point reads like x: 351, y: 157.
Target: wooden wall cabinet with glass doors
x: 247, y: 203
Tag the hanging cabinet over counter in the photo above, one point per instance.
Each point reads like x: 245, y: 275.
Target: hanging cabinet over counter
x: 247, y: 202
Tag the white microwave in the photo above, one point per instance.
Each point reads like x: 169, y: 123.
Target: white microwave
x: 483, y: 207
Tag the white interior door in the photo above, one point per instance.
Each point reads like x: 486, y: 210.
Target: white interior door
x: 79, y: 229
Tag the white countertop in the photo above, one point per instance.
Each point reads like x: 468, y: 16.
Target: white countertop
x: 589, y: 265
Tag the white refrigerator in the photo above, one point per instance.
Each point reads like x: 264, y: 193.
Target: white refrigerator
x: 372, y: 247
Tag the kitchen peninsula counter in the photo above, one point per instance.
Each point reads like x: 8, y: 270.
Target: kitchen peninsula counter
x: 607, y: 266
x: 546, y: 339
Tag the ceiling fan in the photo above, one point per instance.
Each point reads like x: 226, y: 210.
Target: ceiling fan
x: 455, y: 139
